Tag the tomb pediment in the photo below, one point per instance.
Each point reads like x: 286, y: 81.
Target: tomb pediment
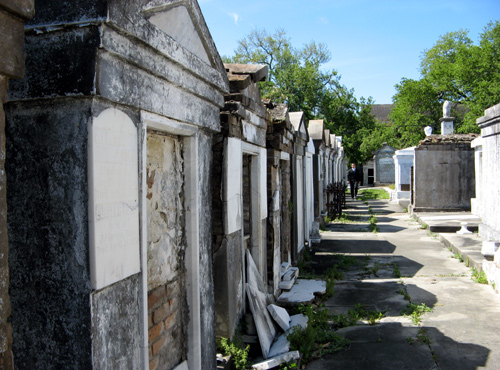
x: 175, y: 18
x: 298, y: 121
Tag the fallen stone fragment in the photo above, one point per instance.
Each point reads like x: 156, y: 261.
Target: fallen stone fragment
x: 276, y: 361
x: 303, y: 292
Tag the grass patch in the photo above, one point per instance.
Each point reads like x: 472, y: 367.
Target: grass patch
x: 374, y: 194
x: 422, y: 338
x: 415, y: 312
x: 318, y: 338
x: 238, y: 353
x: 395, y: 271
x: 360, y: 313
x: 457, y: 256
x: 375, y: 268
x: 405, y: 294
x: 479, y: 277
x: 346, y: 219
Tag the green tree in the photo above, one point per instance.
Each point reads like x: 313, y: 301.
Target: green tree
x: 295, y: 74
x: 417, y: 105
x: 297, y: 77
x: 454, y: 69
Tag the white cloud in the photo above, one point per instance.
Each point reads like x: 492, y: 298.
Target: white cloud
x: 235, y: 17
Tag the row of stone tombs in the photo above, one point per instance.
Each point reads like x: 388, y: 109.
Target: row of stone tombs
x: 261, y: 202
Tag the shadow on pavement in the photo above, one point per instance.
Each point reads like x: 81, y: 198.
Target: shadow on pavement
x: 386, y: 346
x: 362, y: 246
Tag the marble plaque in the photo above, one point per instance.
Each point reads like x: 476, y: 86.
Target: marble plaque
x: 113, y: 198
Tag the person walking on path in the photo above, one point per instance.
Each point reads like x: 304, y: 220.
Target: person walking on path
x: 354, y: 179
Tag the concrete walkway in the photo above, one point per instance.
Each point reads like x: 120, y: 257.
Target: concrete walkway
x: 463, y: 330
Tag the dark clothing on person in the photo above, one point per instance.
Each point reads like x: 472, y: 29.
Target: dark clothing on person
x: 355, y: 178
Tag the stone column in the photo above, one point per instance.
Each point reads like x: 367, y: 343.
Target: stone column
x: 13, y: 14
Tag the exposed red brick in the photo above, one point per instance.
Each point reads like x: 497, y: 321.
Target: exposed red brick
x: 153, y: 364
x: 171, y: 320
x: 158, y: 345
x: 161, y: 312
x: 156, y: 296
x: 155, y: 332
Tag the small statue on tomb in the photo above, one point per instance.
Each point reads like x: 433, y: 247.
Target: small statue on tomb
x: 447, y: 109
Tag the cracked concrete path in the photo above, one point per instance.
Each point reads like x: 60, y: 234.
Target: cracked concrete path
x: 461, y: 333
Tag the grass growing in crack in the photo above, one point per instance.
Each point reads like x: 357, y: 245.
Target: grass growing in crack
x: 422, y: 338
x: 479, y: 277
x: 360, y: 313
x: 375, y: 268
x: 405, y: 294
x: 415, y: 312
x: 432, y: 235
x: 395, y: 271
x: 332, y: 276
x: 238, y: 353
x: 317, y: 338
x: 346, y: 218
x: 304, y: 261
x: 458, y: 256
x: 346, y: 261
x: 374, y: 194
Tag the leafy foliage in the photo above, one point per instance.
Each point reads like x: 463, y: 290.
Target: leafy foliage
x: 317, y: 338
x: 454, y: 69
x: 415, y: 312
x: 236, y: 350
x: 297, y: 77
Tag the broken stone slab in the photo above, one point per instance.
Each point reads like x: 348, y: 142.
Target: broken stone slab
x: 280, y: 315
x: 286, y: 285
x: 288, y: 279
x: 284, y: 268
x: 298, y: 320
x: 281, y: 344
x: 291, y: 273
x: 253, y: 274
x: 303, y: 292
x: 263, y: 321
x: 276, y: 361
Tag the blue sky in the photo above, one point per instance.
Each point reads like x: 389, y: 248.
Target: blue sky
x: 374, y: 43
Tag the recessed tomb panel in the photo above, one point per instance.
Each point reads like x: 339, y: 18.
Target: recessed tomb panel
x: 113, y: 198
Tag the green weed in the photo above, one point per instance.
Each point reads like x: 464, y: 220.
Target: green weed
x: 395, y: 271
x: 375, y: 268
x: 374, y: 194
x: 238, y: 353
x: 415, y: 312
x: 317, y: 338
x: 479, y: 277
x: 405, y: 294
x: 458, y: 256
x: 422, y: 338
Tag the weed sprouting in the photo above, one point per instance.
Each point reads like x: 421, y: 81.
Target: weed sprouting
x: 415, y: 312
x: 317, y: 338
x: 238, y: 353
x: 405, y: 294
x: 395, y: 271
x: 375, y: 268
x: 422, y: 338
x: 458, y: 256
x: 479, y: 277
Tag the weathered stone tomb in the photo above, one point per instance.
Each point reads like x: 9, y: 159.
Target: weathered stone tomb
x: 109, y: 141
